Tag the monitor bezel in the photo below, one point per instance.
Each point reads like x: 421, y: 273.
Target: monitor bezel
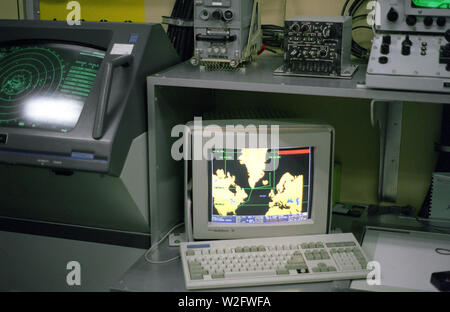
x: 320, y: 137
x: 411, y: 10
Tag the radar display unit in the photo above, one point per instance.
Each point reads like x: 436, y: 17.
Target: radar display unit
x: 73, y: 127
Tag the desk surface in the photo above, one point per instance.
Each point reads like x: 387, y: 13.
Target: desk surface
x: 146, y: 277
x: 258, y: 76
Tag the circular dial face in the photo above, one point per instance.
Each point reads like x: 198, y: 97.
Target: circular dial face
x: 45, y: 86
x: 25, y: 72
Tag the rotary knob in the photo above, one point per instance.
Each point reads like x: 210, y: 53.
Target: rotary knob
x: 407, y: 41
x: 295, y: 28
x: 406, y: 50
x: 392, y: 15
x: 411, y: 20
x: 383, y: 59
x: 387, y: 39
x: 428, y: 21
x: 441, y: 21
x: 329, y: 32
x: 305, y: 28
x: 447, y: 35
x: 228, y: 15
x: 217, y: 14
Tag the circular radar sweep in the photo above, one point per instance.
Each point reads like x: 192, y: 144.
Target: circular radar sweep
x: 27, y: 72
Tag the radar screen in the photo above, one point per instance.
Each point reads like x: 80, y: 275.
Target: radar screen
x: 45, y: 85
x: 260, y: 186
x: 431, y: 4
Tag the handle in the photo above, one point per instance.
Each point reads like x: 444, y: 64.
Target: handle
x: 231, y: 38
x: 105, y: 91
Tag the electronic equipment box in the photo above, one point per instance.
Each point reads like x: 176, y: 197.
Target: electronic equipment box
x: 318, y: 46
x: 73, y: 127
x: 411, y: 49
x: 227, y: 32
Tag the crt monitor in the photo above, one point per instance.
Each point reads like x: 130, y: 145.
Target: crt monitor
x: 282, y: 188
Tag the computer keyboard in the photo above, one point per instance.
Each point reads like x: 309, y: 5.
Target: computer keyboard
x: 275, y: 260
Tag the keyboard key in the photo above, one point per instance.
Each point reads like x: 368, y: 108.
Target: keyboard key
x: 218, y: 275
x: 196, y: 276
x: 254, y: 273
x: 282, y: 271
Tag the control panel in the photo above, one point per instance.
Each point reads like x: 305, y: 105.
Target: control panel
x: 318, y: 46
x: 428, y: 16
x: 226, y: 31
x: 413, y: 50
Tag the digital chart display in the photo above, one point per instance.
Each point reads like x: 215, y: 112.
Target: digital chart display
x: 431, y: 4
x: 45, y: 85
x: 260, y: 186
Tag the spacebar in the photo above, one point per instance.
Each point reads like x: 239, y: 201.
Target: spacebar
x: 250, y: 274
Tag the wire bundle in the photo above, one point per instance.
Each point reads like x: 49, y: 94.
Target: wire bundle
x: 182, y: 37
x: 357, y: 50
x: 273, y: 36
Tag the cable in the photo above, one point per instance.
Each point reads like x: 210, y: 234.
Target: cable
x: 273, y: 35
x: 357, y: 50
x: 359, y: 27
x: 182, y: 38
x: 360, y: 16
x: 148, y: 253
x: 344, y: 8
x: 443, y: 251
x: 440, y: 229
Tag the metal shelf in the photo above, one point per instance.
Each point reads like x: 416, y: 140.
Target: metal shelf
x: 258, y: 77
x: 176, y: 94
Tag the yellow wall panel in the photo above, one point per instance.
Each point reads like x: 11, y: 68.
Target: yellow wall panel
x: 95, y: 10
x: 8, y: 9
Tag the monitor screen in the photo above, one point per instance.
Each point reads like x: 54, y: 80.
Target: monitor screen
x: 431, y: 4
x: 45, y: 85
x: 260, y: 186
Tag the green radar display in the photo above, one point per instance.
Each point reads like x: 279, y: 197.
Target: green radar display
x: 432, y: 4
x: 46, y: 85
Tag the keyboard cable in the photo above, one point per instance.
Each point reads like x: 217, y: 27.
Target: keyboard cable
x: 152, y: 248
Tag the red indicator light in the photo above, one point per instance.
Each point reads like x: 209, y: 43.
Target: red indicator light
x: 294, y: 152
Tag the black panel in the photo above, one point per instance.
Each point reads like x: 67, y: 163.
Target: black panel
x: 101, y: 236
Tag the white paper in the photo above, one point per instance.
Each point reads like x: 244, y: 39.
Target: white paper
x: 122, y: 49
x: 407, y: 260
